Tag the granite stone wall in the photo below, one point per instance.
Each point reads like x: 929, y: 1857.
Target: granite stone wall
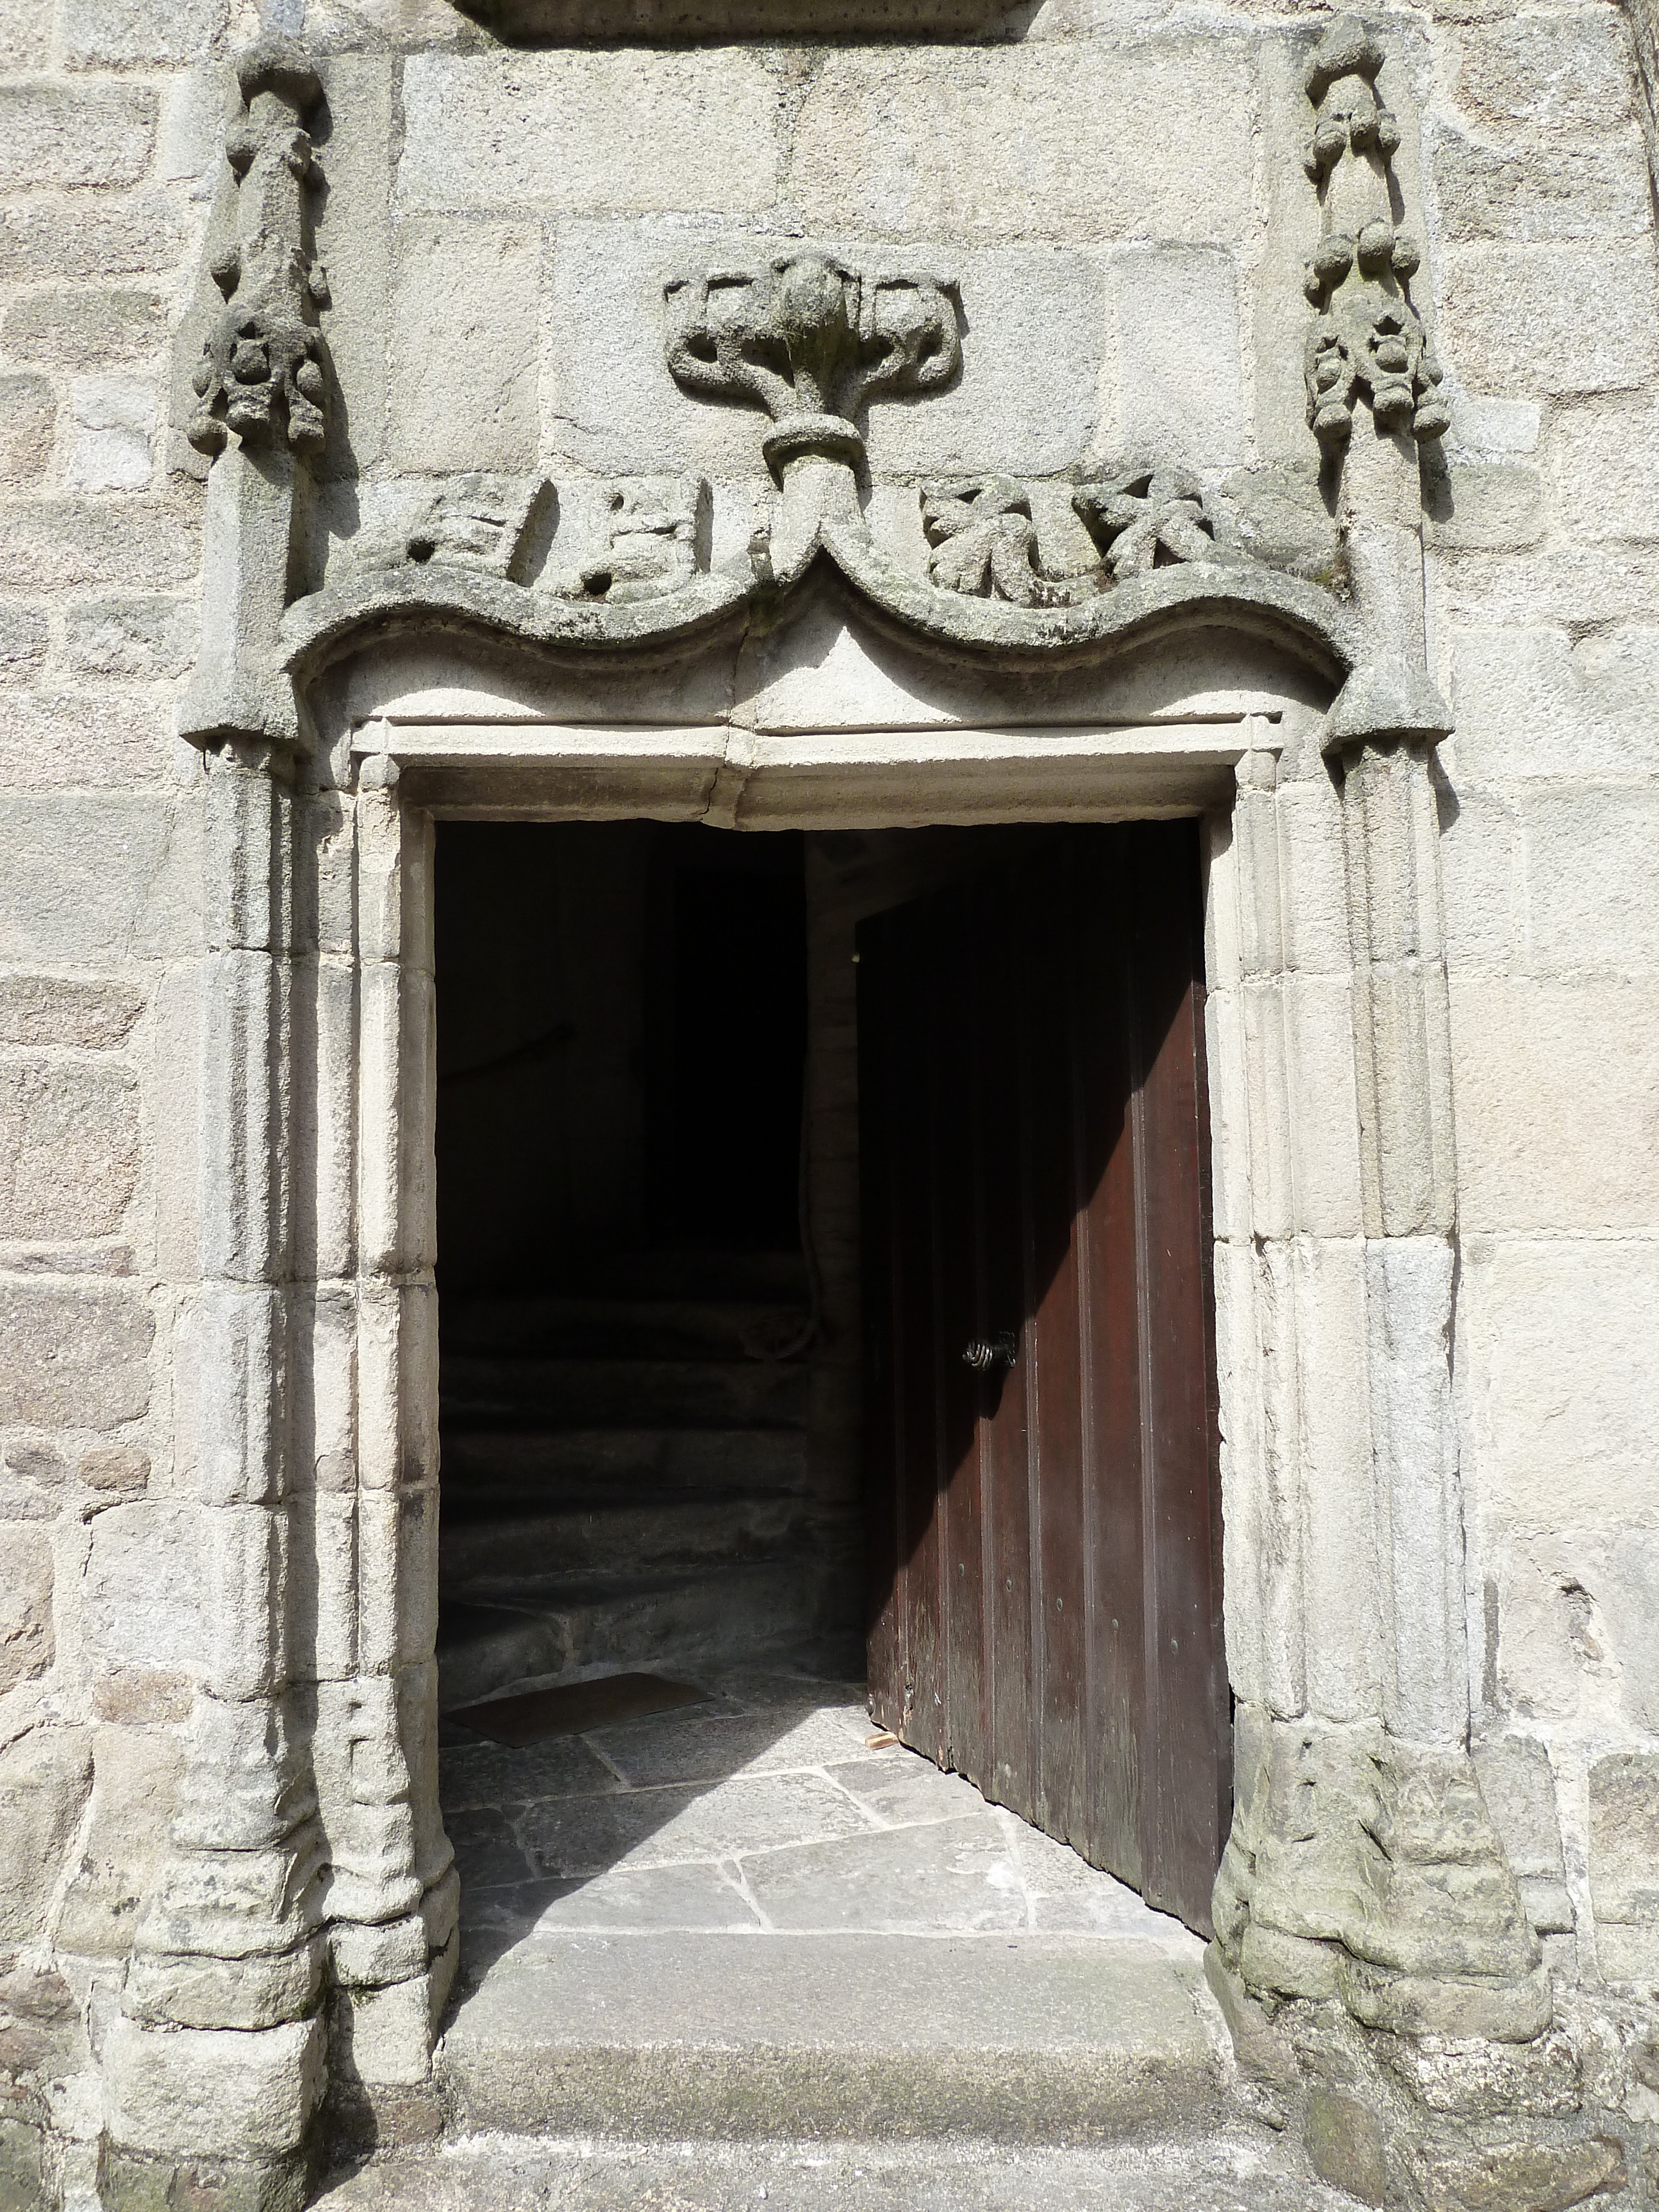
x: 1118, y: 193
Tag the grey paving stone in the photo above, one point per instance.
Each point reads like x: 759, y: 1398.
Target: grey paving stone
x: 901, y: 1787
x: 486, y: 1851
x: 1067, y: 1894
x: 955, y: 1876
x: 701, y: 1898
x: 703, y: 1747
x: 474, y: 1773
x: 656, y: 1827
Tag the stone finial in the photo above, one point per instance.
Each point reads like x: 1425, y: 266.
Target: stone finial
x: 262, y: 372
x: 810, y: 340
x: 1367, y: 338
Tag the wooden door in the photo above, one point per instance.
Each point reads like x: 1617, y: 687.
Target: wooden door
x: 1045, y: 1523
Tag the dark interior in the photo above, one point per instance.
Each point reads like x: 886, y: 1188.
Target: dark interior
x: 627, y: 1320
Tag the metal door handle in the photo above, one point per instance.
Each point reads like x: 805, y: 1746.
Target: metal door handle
x: 983, y: 1354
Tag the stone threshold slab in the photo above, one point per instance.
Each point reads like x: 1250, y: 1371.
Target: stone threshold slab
x: 1016, y: 2039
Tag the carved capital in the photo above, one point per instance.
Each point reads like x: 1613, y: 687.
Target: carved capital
x: 810, y: 340
x: 1367, y: 338
x: 262, y: 371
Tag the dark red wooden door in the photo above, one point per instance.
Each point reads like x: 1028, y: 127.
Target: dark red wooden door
x: 1046, y: 1594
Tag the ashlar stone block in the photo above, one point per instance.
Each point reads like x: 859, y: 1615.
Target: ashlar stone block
x: 135, y: 1774
x: 143, y: 635
x: 1535, y: 195
x: 1151, y: 143
x: 1521, y: 320
x: 26, y: 1587
x: 52, y: 238
x: 76, y: 1356
x: 628, y: 131
x: 1623, y: 1863
x: 1556, y: 77
x: 1584, y: 1057
x: 69, y: 1148
x: 52, y: 134
x: 464, y: 340
x: 29, y: 419
x: 1605, y: 462
x: 1588, y: 868
x: 44, y: 1778
x: 124, y: 33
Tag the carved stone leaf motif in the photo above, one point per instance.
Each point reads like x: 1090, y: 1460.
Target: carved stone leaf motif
x: 809, y: 340
x: 1367, y: 338
x: 1148, y: 519
x: 984, y: 543
x: 262, y: 371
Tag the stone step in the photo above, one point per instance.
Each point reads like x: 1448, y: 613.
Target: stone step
x: 1235, y: 2169
x: 1029, y: 2039
x: 643, y: 1528
x: 635, y: 1328
x: 478, y: 1392
x: 531, y: 1465
x: 558, y: 1627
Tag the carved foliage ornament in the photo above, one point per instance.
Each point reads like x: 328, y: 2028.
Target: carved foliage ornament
x: 1367, y: 338
x: 985, y: 542
x: 262, y: 371
x: 811, y: 340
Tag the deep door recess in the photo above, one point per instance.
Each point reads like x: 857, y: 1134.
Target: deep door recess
x: 1045, y: 1520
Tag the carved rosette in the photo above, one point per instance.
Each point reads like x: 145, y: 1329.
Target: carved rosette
x: 984, y: 543
x: 262, y: 371
x: 1367, y: 338
x: 812, y: 341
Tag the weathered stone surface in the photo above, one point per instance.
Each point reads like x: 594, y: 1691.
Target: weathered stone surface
x: 1585, y: 910
x: 140, y: 634
x: 929, y: 154
x: 23, y: 641
x: 1565, y: 1424
x: 1586, y: 1059
x: 114, y: 420
x: 52, y: 240
x: 1552, y: 77
x: 28, y: 416
x: 1540, y: 2176
x: 576, y: 131
x: 125, y: 34
x: 141, y: 1595
x: 1553, y: 318
x: 1623, y: 1839
x: 85, y: 328
x: 69, y: 1147
x: 135, y: 1785
x: 1180, y: 383
x: 1604, y: 454
x: 54, y: 134
x: 44, y: 1778
x: 1518, y: 1784
x: 1486, y: 503
x: 1542, y: 195
x: 75, y: 1358
x: 115, y: 1470
x: 53, y: 1010
x: 26, y: 1585
x: 94, y: 878
x: 222, y: 2093
x: 50, y: 544
x: 464, y: 340
x: 1345, y: 2143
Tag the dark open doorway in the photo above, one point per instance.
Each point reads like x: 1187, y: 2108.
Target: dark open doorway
x: 663, y: 1325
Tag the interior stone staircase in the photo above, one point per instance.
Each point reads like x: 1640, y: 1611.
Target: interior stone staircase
x: 624, y: 1476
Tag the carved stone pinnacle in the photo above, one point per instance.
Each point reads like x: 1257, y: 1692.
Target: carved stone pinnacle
x: 262, y: 372
x: 1368, y: 336
x: 810, y: 340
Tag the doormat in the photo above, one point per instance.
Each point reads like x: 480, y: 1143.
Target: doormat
x: 575, y: 1707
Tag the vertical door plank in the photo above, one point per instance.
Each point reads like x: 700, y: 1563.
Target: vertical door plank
x: 1117, y: 1659
x: 1184, y: 1744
